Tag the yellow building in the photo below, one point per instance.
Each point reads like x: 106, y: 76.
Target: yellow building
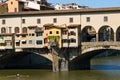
x: 15, y: 5
x: 52, y: 35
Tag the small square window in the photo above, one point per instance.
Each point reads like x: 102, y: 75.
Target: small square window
x: 33, y: 34
x: 50, y: 32
x: 23, y: 21
x: 88, y: 19
x: 39, y: 42
x: 105, y: 18
x: 38, y: 21
x: 55, y: 20
x: 57, y: 32
x: 39, y: 34
x: 71, y: 20
x: 3, y: 21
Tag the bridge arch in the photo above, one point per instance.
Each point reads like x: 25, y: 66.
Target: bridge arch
x: 27, y: 60
x: 88, y: 34
x: 106, y: 33
x: 99, y: 48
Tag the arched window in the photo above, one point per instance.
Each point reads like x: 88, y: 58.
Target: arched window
x: 3, y: 30
x: 24, y: 30
x: 106, y: 33
x: 88, y: 34
x: 16, y: 29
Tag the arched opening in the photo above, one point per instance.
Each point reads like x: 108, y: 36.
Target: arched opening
x: 16, y: 29
x: 88, y: 34
x: 106, y: 33
x: 24, y: 30
x: 101, y: 59
x: 118, y: 34
x: 3, y: 30
x: 25, y: 60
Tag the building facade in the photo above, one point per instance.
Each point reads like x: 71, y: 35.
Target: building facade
x: 70, y: 6
x: 28, y: 5
x: 66, y: 27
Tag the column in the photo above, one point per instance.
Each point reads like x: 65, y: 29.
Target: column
x: 96, y: 37
x: 115, y: 39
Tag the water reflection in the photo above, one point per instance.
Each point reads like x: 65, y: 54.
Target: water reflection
x: 107, y: 68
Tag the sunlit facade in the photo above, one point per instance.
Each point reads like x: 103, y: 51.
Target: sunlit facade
x: 68, y: 27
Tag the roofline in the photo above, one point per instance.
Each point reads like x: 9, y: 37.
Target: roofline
x: 48, y: 12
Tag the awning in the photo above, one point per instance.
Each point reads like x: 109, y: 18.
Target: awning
x: 23, y: 40
x: 17, y: 40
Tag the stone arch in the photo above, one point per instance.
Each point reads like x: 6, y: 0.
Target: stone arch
x: 106, y: 33
x: 88, y: 34
x: 3, y: 30
x: 32, y: 60
x: 118, y: 34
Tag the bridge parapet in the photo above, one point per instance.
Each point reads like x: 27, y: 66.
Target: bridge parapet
x: 90, y: 46
x: 101, y: 43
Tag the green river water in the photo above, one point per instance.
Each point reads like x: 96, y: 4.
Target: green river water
x: 107, y: 68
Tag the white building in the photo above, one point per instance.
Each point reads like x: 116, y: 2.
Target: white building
x: 69, y: 6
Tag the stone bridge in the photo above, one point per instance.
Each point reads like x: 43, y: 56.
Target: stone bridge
x: 91, y: 46
x: 77, y: 58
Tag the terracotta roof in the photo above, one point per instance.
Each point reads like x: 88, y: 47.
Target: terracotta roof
x: 48, y: 25
x: 32, y: 26
x: 74, y: 25
x: 5, y: 34
x: 48, y: 12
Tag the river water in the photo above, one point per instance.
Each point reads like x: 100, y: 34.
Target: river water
x: 107, y: 68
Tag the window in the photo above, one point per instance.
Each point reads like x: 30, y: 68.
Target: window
x: 55, y: 20
x: 33, y: 34
x: 57, y: 32
x: 105, y: 18
x: 39, y: 34
x: 88, y: 19
x: 31, y: 41
x: 23, y: 42
x: 3, y: 30
x: 64, y: 32
x: 17, y: 43
x: 23, y: 21
x: 38, y: 21
x: 65, y: 41
x: 73, y: 40
x: 11, y: 3
x: 15, y: 9
x: 16, y: 29
x: 10, y: 29
x: 38, y: 42
x: 72, y: 33
x: 23, y: 36
x: 50, y: 32
x: 24, y: 30
x: 8, y: 43
x: 71, y: 20
x: 3, y: 21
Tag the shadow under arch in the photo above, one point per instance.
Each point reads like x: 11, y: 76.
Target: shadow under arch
x: 25, y: 60
x: 88, y: 34
x: 83, y: 60
x: 106, y: 33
